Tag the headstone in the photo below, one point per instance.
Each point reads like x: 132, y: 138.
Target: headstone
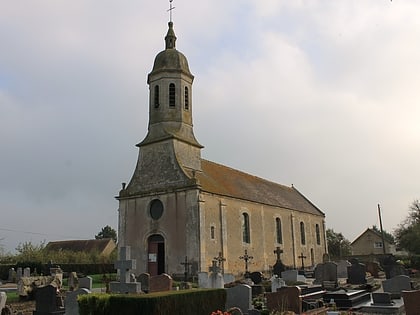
x: 48, y: 302
x: 19, y: 274
x: 203, y: 280
x: 290, y: 275
x: 161, y: 282
x: 373, y: 268
x: 12, y: 275
x: 381, y: 298
x: 85, y: 282
x: 144, y: 279
x: 411, y: 302
x: 326, y: 275
x: 276, y: 283
x: 239, y: 296
x: 27, y: 272
x: 342, y: 268
x: 73, y: 281
x: 57, y: 272
x: 216, y: 280
x: 256, y: 277
x: 356, y: 273
x: 326, y: 258
x: 70, y: 302
x: 124, y: 265
x: 396, y: 285
x: 228, y: 278
x: 3, y: 299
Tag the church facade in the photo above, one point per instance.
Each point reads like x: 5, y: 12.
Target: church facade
x: 178, y: 205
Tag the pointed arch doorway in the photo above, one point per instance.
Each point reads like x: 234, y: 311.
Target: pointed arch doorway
x: 156, y: 254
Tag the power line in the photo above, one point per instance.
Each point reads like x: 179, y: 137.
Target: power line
x: 38, y: 233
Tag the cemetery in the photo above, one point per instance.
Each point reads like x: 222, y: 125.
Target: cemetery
x: 341, y: 287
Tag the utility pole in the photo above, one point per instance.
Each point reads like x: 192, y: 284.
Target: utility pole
x: 382, y: 230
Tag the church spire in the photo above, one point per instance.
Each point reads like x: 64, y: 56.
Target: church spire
x: 170, y: 37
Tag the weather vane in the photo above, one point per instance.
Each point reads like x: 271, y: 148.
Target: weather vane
x: 170, y: 10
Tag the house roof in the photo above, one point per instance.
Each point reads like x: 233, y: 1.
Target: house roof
x: 222, y: 180
x: 372, y: 231
x: 99, y: 245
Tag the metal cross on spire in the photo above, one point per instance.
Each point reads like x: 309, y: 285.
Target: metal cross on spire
x: 170, y: 10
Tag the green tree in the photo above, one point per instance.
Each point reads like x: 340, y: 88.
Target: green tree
x: 31, y: 252
x: 338, y: 245
x: 408, y: 232
x: 107, y: 232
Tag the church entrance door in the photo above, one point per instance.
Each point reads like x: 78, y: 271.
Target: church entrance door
x: 156, y: 255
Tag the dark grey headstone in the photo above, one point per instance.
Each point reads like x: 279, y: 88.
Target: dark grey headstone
x: 278, y: 268
x: 396, y: 285
x: 256, y: 277
x: 239, y: 296
x: 383, y: 298
x: 48, y: 301
x: 356, y: 273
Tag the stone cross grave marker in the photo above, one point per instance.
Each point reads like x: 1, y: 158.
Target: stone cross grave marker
x: 302, y: 257
x: 186, y: 265
x: 216, y: 280
x: 246, y: 258
x: 124, y: 265
x: 278, y: 267
x: 220, y: 259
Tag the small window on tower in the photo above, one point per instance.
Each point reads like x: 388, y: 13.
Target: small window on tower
x: 186, y: 99
x: 172, y: 95
x: 212, y: 232
x: 156, y: 96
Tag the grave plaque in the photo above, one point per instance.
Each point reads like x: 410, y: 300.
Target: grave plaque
x: 161, y: 282
x: 239, y: 296
x: 356, y: 273
x: 48, y: 302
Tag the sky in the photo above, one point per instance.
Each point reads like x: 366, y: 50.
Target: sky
x: 322, y: 94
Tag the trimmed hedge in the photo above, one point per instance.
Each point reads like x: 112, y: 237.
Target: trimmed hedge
x: 185, y: 302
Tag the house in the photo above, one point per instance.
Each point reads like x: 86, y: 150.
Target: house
x: 370, y: 242
x: 103, y: 247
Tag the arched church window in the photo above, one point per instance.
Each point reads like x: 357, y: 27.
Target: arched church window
x: 186, y: 98
x: 172, y: 94
x: 279, y: 236
x: 212, y: 232
x: 156, y: 209
x: 246, y: 235
x: 156, y: 96
x: 318, y: 235
x: 302, y: 233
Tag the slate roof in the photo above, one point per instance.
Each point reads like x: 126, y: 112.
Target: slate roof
x: 103, y: 246
x: 222, y: 180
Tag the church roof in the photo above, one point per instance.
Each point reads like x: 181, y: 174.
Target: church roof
x: 222, y: 180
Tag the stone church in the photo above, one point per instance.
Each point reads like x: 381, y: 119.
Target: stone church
x: 179, y: 205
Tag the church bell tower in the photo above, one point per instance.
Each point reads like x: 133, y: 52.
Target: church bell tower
x: 170, y: 154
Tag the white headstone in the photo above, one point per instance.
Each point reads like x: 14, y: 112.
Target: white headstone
x: 203, y: 280
x: 3, y: 298
x: 85, y: 283
x: 27, y: 272
x: 276, y: 283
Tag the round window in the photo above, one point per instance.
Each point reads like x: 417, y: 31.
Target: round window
x: 156, y: 209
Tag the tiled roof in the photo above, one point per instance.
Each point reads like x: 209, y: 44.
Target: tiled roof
x: 81, y: 245
x: 225, y: 181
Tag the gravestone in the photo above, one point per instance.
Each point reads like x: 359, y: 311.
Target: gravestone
x: 57, y: 272
x: 203, y: 280
x: 373, y: 268
x: 144, y: 279
x: 411, y: 302
x: 239, y: 296
x: 256, y: 277
x: 325, y: 258
x: 216, y: 280
x: 85, y: 282
x: 326, y: 275
x: 124, y: 265
x: 290, y: 275
x: 228, y: 278
x: 70, y: 302
x: 48, y: 302
x: 396, y: 285
x: 27, y: 272
x: 276, y: 283
x: 19, y: 274
x: 3, y: 299
x: 381, y: 298
x: 161, y: 282
x: 356, y: 273
x: 342, y: 266
x: 12, y: 275
x: 73, y: 281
